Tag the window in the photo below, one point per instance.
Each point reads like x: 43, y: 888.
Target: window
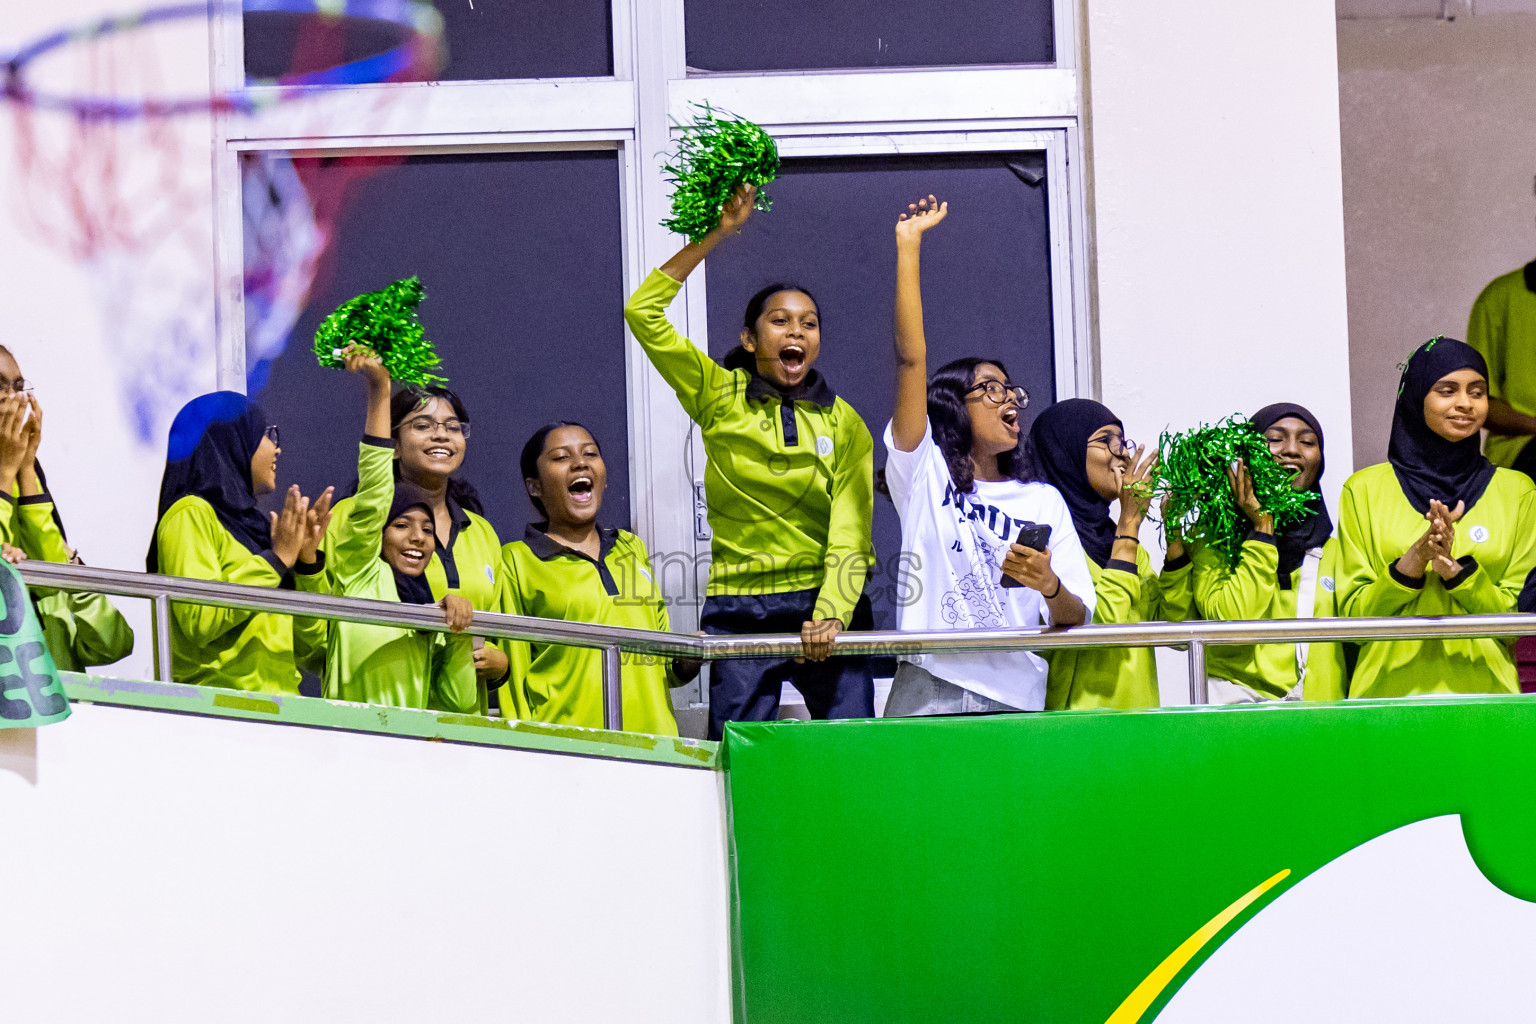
x: 494, y: 39
x: 862, y: 124
x: 522, y: 303
x: 787, y: 35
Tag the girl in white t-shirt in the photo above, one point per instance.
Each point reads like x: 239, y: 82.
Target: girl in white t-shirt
x: 956, y: 473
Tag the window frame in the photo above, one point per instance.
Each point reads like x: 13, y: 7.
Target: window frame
x: 841, y: 112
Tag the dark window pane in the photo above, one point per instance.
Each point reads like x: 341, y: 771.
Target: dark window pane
x: 523, y: 303
x: 986, y: 281
x: 788, y: 35
x: 493, y: 39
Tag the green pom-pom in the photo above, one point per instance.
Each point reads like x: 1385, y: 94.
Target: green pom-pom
x: 1192, y: 472
x: 717, y: 154
x: 384, y: 321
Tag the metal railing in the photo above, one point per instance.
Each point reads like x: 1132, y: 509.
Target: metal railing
x: 613, y: 641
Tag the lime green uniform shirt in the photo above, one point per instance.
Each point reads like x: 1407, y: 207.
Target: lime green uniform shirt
x: 553, y: 683
x: 788, y: 512
x: 1111, y: 677
x: 81, y: 629
x: 1503, y: 328
x: 222, y: 646
x: 370, y: 664
x: 1496, y: 543
x: 1252, y: 591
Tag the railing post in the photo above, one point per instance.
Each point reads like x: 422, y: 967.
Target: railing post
x: 613, y: 695
x: 1197, y: 688
x: 160, y: 632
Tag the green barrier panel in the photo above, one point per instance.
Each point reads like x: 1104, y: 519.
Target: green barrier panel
x: 1080, y: 866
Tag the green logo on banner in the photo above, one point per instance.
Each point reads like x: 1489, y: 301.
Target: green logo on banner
x: 31, y: 692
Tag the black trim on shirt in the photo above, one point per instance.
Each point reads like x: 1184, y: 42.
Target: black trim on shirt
x: 1407, y: 581
x: 285, y: 573
x: 1174, y: 564
x: 459, y: 521
x: 815, y: 390
x: 1122, y: 565
x: 304, y: 568
x: 547, y: 549
x: 35, y: 499
x: 1468, y: 565
x: 1262, y: 538
x: 380, y: 442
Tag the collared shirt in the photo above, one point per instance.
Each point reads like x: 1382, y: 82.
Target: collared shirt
x: 555, y: 683
x: 790, y: 489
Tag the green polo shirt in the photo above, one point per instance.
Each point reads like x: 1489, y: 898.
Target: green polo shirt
x: 1250, y: 591
x: 552, y: 683
x: 224, y: 646
x: 1496, y: 544
x: 790, y: 485
x: 1503, y: 328
x: 82, y: 630
x: 369, y: 664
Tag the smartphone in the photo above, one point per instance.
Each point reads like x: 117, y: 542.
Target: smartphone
x: 1031, y: 535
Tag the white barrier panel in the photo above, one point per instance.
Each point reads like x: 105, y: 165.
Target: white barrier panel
x: 176, y: 868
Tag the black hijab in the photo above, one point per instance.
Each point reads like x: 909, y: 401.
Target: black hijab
x: 1312, y: 532
x: 209, y: 455
x: 1429, y: 467
x: 412, y: 589
x: 1058, y: 454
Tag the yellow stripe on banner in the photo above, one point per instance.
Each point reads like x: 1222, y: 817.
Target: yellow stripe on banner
x: 1145, y: 994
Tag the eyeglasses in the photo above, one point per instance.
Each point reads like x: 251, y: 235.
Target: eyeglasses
x: 271, y: 434
x: 1119, y: 447
x: 424, y: 425
x: 997, y: 392
x: 15, y: 387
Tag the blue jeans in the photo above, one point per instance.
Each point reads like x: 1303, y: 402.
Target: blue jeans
x: 748, y: 689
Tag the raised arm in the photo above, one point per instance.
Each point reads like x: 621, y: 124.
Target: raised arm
x: 737, y: 209
x: 357, y: 540
x: 910, y: 420
x: 698, y: 381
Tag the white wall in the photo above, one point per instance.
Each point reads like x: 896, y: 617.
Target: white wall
x: 1217, y: 217
x: 173, y: 868
x: 108, y: 330
x: 1439, y: 130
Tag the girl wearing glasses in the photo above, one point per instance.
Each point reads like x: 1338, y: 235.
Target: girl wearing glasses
x: 958, y: 478
x: 222, y: 455
x: 82, y: 630
x: 430, y: 429
x: 568, y: 567
x: 1277, y: 577
x: 381, y: 551
x: 1436, y: 530
x: 790, y: 488
x: 1079, y: 447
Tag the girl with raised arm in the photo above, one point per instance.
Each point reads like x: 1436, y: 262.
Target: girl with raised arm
x: 568, y: 567
x: 221, y: 455
x: 381, y: 551
x: 1436, y: 530
x: 958, y: 477
x: 430, y: 430
x: 82, y: 629
x: 789, y: 484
